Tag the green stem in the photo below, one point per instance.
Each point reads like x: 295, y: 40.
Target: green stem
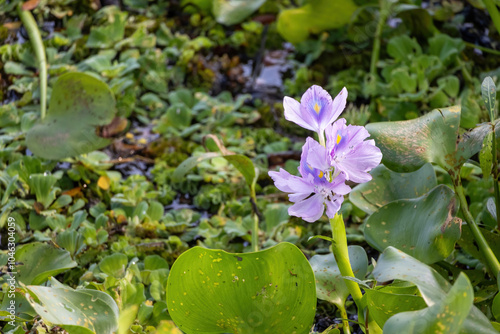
x: 37, y: 44
x: 495, y: 174
x: 482, y: 48
x: 342, y: 257
x: 383, y: 14
x: 345, y: 320
x: 491, y: 260
x: 255, y: 233
x: 256, y: 217
x: 494, y: 14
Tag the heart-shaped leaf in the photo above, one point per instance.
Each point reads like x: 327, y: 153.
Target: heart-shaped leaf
x: 408, y: 145
x: 387, y: 186
x: 423, y: 227
x: 77, y: 311
x: 212, y: 291
x: 395, y: 264
x: 39, y: 261
x: 330, y: 284
x: 78, y: 106
x: 446, y: 316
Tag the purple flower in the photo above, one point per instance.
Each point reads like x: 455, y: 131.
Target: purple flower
x: 346, y: 151
x: 316, y: 109
x: 312, y: 190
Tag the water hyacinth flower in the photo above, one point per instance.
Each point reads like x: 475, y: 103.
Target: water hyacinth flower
x: 346, y: 152
x: 313, y: 190
x: 316, y: 109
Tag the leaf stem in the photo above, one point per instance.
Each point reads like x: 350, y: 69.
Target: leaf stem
x: 36, y: 41
x: 491, y: 260
x: 341, y: 254
x: 255, y: 233
x: 494, y: 14
x: 383, y: 15
x: 345, y: 320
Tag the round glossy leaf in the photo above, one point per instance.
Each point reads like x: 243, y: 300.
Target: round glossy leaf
x: 408, y: 145
x: 77, y: 311
x: 395, y: 264
x: 38, y: 261
x: 212, y: 291
x: 78, y: 106
x: 423, y: 227
x: 330, y: 285
x: 446, y: 316
x: 387, y: 186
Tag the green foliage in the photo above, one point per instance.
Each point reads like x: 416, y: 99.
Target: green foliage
x: 423, y: 227
x: 387, y: 186
x: 61, y: 305
x: 295, y: 25
x: 245, y: 292
x: 230, y: 12
x: 40, y: 261
x: 115, y: 220
x: 330, y: 284
x: 437, y: 293
x: 79, y: 104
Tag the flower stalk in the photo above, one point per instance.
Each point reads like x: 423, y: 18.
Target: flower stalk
x: 37, y: 44
x: 341, y: 254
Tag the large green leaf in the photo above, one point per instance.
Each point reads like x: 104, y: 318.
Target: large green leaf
x: 408, y: 145
x: 230, y: 12
x: 446, y: 316
x: 389, y: 300
x: 76, y: 311
x: 330, y: 284
x: 387, y: 186
x: 424, y: 227
x: 212, y: 291
x: 39, y: 261
x: 296, y: 24
x: 395, y: 264
x: 79, y: 105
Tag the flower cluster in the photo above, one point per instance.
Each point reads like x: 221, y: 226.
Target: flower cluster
x: 325, y: 166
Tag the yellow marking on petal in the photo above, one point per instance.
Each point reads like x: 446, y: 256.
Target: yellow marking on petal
x: 317, y: 108
x: 339, y: 138
x: 321, y: 174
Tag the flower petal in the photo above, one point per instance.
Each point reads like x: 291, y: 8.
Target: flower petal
x: 289, y: 183
x: 333, y: 206
x: 293, y: 114
x: 317, y: 155
x: 359, y: 161
x: 310, y: 209
x: 338, y: 106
